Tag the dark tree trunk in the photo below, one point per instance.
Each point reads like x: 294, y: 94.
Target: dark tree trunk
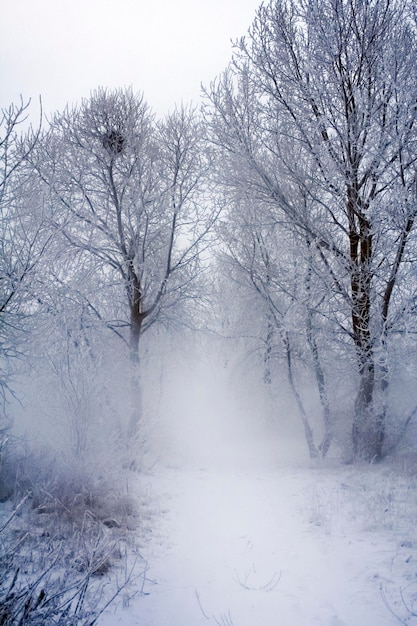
x: 135, y: 381
x: 136, y: 319
x: 367, y: 432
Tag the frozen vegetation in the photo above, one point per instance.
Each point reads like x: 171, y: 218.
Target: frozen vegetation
x: 208, y: 339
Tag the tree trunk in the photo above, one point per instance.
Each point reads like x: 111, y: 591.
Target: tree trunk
x: 324, y: 401
x: 136, y: 319
x: 135, y: 381
x: 308, y: 431
x: 367, y: 432
x: 327, y: 439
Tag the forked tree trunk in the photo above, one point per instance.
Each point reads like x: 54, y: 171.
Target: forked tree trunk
x: 308, y: 431
x: 327, y: 439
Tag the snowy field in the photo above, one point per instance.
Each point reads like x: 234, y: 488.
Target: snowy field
x: 241, y: 530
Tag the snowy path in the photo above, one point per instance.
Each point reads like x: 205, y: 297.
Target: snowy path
x: 238, y: 539
x: 237, y: 549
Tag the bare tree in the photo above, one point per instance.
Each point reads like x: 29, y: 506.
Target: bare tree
x: 23, y: 236
x: 267, y: 266
x: 316, y: 117
x: 133, y: 203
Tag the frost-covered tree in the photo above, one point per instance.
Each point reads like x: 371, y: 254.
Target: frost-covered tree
x: 24, y: 237
x: 131, y: 192
x: 315, y: 120
x: 275, y: 306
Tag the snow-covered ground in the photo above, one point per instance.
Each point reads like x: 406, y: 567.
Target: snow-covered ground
x: 244, y: 531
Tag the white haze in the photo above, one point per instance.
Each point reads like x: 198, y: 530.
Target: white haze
x: 237, y: 526
x: 214, y: 414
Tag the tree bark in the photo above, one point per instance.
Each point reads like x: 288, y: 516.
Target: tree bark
x: 367, y: 434
x: 136, y: 319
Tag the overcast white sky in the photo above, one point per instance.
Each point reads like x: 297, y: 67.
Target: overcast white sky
x: 64, y: 49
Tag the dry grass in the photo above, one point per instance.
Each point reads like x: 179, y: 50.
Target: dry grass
x: 65, y: 532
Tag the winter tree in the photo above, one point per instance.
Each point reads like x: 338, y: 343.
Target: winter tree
x: 24, y: 237
x: 273, y: 290
x: 316, y: 121
x: 133, y: 209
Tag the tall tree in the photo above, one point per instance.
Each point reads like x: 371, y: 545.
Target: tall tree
x: 132, y: 197
x: 268, y: 267
x: 317, y: 118
x: 24, y: 238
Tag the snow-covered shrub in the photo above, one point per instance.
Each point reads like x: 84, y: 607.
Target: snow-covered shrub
x: 64, y: 538
x: 54, y: 580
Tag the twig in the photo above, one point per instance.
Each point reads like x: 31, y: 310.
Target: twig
x: 388, y: 606
x: 226, y: 620
x: 19, y: 506
x: 200, y: 605
x: 411, y: 612
x: 269, y: 586
x: 118, y: 591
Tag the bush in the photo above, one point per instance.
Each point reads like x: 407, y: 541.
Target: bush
x: 64, y: 530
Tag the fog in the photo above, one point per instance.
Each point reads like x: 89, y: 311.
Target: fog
x: 215, y: 413
x: 203, y: 407
x: 235, y: 525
